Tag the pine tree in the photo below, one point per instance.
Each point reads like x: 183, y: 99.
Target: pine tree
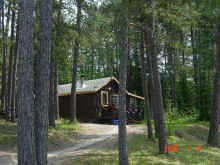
x: 156, y: 90
x: 145, y: 86
x: 214, y: 120
x: 42, y: 81
x: 123, y: 52
x: 25, y: 101
x: 75, y: 63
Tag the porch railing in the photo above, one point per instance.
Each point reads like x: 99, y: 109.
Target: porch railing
x: 111, y: 112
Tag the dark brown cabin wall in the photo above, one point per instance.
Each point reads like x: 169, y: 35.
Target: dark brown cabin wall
x: 114, y: 86
x: 114, y: 90
x: 85, y: 110
x: 97, y: 98
x: 128, y: 100
x: 139, y: 101
x: 64, y: 104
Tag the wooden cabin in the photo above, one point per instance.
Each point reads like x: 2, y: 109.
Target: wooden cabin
x: 97, y: 100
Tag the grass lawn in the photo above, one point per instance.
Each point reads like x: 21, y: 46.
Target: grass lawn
x: 62, y: 131
x: 190, y: 137
x: 8, y: 135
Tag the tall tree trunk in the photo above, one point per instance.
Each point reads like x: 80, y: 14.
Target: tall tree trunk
x: 196, y: 69
x: 75, y: 63
x: 14, y: 73
x: 51, y: 93
x: 8, y: 19
x: 42, y: 81
x: 122, y: 144
x: 145, y: 86
x: 7, y: 102
x: 25, y: 131
x: 172, y: 74
x: 92, y: 65
x: 149, y: 64
x: 214, y: 120
x: 1, y: 12
x: 157, y: 95
x: 56, y: 98
x: 4, y: 69
x: 99, y: 60
x: 9, y: 89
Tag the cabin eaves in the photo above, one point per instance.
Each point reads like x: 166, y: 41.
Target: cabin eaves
x: 89, y: 86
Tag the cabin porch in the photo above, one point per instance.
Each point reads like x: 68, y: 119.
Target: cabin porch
x: 110, y: 113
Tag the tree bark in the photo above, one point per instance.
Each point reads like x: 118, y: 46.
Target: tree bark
x: 145, y: 86
x: 75, y: 63
x: 6, y: 30
x: 56, y: 99
x: 92, y: 64
x: 1, y: 10
x: 122, y: 141
x: 196, y: 69
x: 42, y: 81
x: 13, y: 116
x: 4, y: 65
x: 157, y: 94
x: 214, y: 120
x: 8, y: 19
x: 9, y: 89
x: 25, y: 131
x: 51, y: 93
x: 153, y: 104
x: 172, y: 74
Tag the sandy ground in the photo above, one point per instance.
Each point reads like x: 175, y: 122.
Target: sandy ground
x: 93, y: 138
x: 95, y: 131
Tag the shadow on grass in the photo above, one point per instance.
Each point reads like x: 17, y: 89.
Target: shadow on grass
x: 8, y: 133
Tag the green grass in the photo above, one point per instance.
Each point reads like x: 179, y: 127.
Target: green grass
x: 8, y: 133
x: 183, y: 133
x: 62, y: 131
x: 63, y: 124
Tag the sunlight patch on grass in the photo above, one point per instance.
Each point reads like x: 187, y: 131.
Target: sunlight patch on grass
x: 63, y: 124
x: 63, y: 130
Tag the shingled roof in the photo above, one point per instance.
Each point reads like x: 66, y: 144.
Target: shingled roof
x: 90, y: 86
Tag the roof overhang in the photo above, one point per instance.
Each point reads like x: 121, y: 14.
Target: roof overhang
x: 93, y: 91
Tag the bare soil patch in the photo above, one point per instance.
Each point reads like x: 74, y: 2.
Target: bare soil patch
x: 102, y: 146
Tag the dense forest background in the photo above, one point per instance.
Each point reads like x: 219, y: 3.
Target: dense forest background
x: 186, y: 44
x: 168, y: 46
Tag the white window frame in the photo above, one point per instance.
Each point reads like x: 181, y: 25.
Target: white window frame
x: 102, y: 102
x: 117, y: 100
x: 135, y: 105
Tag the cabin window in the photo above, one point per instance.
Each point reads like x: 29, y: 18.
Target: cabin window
x: 104, y: 97
x: 115, y: 100
x: 133, y: 102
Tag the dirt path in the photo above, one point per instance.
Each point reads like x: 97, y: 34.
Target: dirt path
x: 93, y: 138
x: 103, y: 140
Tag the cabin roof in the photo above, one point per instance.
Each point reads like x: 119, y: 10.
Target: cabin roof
x: 89, y: 86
